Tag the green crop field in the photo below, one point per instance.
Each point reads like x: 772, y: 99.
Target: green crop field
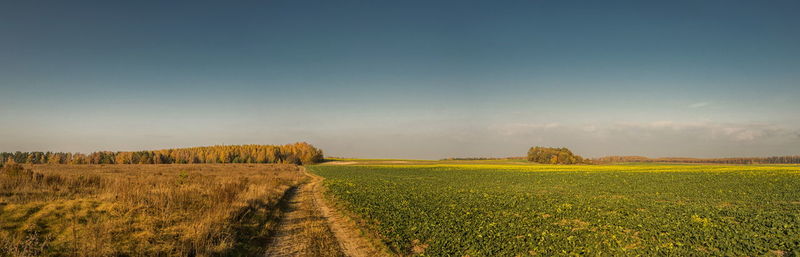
x: 523, y: 210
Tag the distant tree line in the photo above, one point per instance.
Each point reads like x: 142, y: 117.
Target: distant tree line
x: 481, y: 158
x: 297, y: 153
x: 550, y: 155
x: 736, y: 160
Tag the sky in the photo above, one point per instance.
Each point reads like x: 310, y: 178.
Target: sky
x: 404, y: 79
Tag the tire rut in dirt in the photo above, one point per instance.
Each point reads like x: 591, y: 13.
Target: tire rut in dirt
x: 302, y: 231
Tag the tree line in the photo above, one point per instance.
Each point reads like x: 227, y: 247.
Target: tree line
x: 735, y: 160
x: 481, y: 158
x: 551, y: 155
x: 297, y: 153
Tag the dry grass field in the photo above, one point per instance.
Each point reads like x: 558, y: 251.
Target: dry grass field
x: 142, y: 210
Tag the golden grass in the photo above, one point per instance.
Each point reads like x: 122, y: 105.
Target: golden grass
x: 141, y: 210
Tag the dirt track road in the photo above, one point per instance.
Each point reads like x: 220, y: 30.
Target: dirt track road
x: 310, y: 227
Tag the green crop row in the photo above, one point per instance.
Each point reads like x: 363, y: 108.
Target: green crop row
x: 452, y: 210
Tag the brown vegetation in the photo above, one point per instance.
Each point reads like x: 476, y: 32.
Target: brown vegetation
x: 141, y: 210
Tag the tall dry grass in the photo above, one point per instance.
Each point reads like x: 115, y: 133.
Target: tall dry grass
x: 140, y: 210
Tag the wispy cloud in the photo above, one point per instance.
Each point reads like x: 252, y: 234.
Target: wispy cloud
x: 656, y: 138
x: 732, y: 132
x: 699, y: 105
x: 523, y: 128
x: 739, y: 132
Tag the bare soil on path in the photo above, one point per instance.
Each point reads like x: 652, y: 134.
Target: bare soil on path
x: 310, y: 227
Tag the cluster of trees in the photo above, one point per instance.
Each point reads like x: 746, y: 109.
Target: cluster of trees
x: 550, y: 155
x: 297, y: 153
x: 737, y: 160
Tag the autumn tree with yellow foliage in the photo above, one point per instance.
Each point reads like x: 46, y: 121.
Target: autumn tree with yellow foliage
x: 297, y: 153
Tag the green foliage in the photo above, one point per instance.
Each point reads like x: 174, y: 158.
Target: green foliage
x: 548, y: 155
x: 598, y: 210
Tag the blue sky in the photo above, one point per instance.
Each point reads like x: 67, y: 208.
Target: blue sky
x: 403, y: 79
